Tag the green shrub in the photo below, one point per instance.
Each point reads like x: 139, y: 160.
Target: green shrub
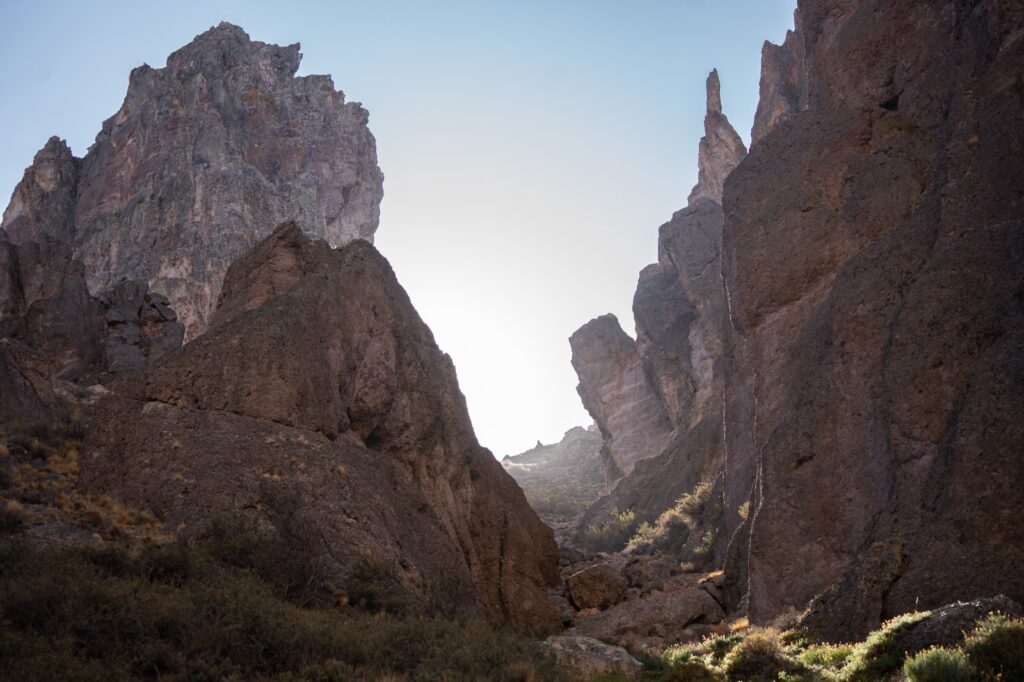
x: 677, y: 531
x: 882, y: 653
x: 826, y: 656
x: 996, y: 647
x: 610, y: 536
x: 938, y: 665
x: 760, y: 657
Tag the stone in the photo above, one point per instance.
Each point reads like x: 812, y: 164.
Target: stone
x: 663, y: 615
x: 202, y: 160
x: 585, y: 658
x: 598, y: 586
x: 615, y: 390
x: 317, y: 358
x: 721, y: 148
x: 872, y: 251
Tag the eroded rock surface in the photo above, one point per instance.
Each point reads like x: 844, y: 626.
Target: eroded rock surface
x: 320, y: 403
x: 873, y: 255
x: 721, y: 149
x: 585, y: 658
x: 201, y: 160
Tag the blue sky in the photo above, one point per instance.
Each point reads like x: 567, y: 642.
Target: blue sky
x: 530, y: 149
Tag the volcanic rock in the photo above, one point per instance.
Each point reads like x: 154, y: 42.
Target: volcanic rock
x: 203, y: 157
x: 721, y: 149
x: 873, y: 255
x: 616, y: 391
x: 320, y: 404
x: 585, y: 658
x: 596, y: 587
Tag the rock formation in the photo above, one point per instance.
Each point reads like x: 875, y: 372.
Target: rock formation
x: 203, y: 157
x: 562, y: 479
x: 319, y: 402
x: 616, y: 391
x: 873, y: 255
x: 660, y: 402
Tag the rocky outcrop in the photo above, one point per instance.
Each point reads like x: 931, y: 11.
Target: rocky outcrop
x: 673, y: 371
x: 203, y: 157
x: 585, y: 658
x: 319, y: 404
x: 873, y: 254
x: 562, y: 479
x: 783, y: 83
x: 596, y: 587
x: 721, y: 149
x: 616, y: 391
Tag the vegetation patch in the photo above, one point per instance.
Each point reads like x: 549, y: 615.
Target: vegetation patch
x: 612, y: 535
x: 939, y: 665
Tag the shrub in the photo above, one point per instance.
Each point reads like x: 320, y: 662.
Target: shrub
x: 70, y: 614
x: 882, y: 653
x: 676, y: 527
x: 376, y: 585
x: 760, y: 656
x: 996, y: 647
x: 938, y: 665
x: 827, y: 656
x: 611, y: 535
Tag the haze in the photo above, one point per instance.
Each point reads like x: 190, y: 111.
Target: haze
x: 530, y: 150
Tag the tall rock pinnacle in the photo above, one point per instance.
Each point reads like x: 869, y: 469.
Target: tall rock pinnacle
x: 721, y: 148
x: 204, y: 157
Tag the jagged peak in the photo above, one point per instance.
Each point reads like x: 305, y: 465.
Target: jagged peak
x: 714, y: 89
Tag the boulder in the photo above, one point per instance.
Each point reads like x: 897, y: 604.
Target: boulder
x: 597, y: 586
x: 584, y: 658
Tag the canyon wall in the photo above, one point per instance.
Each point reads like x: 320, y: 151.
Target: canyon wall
x: 202, y: 159
x: 659, y: 400
x: 873, y: 260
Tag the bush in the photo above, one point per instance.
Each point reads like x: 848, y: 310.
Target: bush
x: 72, y: 614
x: 882, y: 653
x: 376, y: 585
x: 826, y: 656
x: 677, y: 531
x: 610, y: 536
x: 938, y: 665
x: 760, y: 656
x: 996, y: 647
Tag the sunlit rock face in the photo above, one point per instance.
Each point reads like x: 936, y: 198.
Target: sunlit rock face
x: 721, y: 148
x: 203, y: 157
x: 873, y: 253
x: 561, y: 479
x: 319, y: 403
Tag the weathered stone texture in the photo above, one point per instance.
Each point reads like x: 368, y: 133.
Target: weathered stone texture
x: 204, y: 157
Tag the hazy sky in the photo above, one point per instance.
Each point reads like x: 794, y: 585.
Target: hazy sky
x: 530, y: 149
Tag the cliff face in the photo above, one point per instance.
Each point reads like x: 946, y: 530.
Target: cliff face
x: 322, y: 397
x: 660, y: 404
x: 873, y: 255
x: 562, y: 479
x: 204, y: 156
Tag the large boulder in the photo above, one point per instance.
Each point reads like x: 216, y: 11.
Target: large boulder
x: 585, y: 658
x: 318, y: 354
x: 202, y: 159
x: 596, y: 587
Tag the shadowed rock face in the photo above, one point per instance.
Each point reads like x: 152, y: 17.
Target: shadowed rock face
x: 873, y: 257
x: 679, y: 311
x: 321, y: 351
x: 203, y: 156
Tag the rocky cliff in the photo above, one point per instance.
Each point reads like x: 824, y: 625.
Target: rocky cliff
x: 873, y: 258
x: 201, y: 160
x: 562, y: 479
x: 319, y: 404
x: 660, y: 403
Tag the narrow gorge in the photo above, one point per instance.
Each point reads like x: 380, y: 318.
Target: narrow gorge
x: 220, y: 409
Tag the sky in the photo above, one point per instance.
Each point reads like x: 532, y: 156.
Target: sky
x: 530, y: 149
